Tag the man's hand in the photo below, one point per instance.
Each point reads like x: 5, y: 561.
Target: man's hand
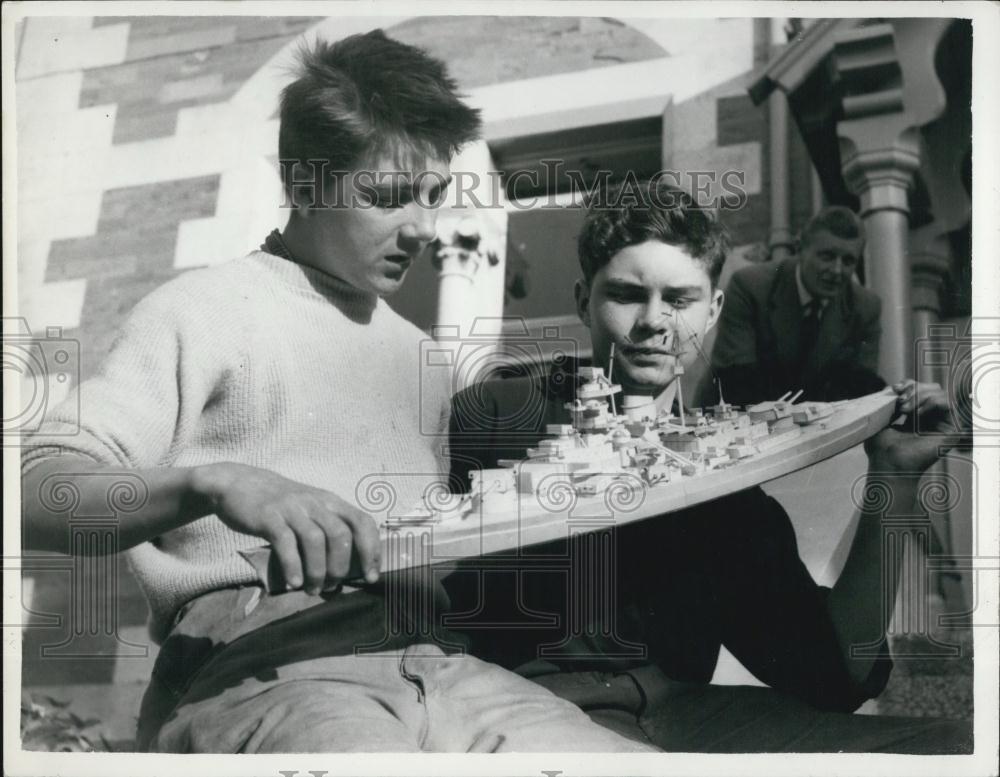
x: 892, y: 450
x: 311, y: 530
x: 871, y: 573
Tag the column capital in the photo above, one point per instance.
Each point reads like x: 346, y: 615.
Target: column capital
x: 459, y: 249
x: 881, y: 175
x: 451, y: 261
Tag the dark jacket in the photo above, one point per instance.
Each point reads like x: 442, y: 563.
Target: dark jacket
x: 757, y: 345
x: 726, y: 572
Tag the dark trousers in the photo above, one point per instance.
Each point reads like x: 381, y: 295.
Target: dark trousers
x: 502, y: 612
x: 698, y: 718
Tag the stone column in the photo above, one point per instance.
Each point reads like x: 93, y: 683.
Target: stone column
x: 930, y: 260
x: 882, y: 179
x: 470, y: 259
x: 883, y: 192
x: 879, y: 154
x: 457, y: 262
x: 781, y: 240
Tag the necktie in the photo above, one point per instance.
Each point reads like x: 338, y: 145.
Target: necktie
x: 809, y: 331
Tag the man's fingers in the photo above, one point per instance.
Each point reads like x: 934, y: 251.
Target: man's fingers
x: 320, y: 519
x: 339, y: 541
x: 312, y: 547
x: 367, y: 542
x: 286, y: 546
x: 906, y: 392
x: 930, y: 403
x: 349, y: 532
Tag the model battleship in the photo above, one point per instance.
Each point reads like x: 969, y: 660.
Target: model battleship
x: 610, y: 467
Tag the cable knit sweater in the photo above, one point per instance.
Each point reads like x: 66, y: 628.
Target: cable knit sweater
x: 263, y: 362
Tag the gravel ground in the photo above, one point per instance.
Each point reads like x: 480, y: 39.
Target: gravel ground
x: 927, y: 684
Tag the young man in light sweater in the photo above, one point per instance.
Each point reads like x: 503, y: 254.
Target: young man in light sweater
x: 246, y: 403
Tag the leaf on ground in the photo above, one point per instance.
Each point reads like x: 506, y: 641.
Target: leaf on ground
x: 51, y: 700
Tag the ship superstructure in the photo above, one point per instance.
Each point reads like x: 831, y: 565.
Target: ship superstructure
x: 657, y: 461
x: 602, y: 444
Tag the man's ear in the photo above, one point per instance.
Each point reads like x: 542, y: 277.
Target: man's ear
x: 582, y: 293
x: 714, y: 309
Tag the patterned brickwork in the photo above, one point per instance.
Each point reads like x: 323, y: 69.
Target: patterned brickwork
x: 131, y: 254
x: 173, y: 63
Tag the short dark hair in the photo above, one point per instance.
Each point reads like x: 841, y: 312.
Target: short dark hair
x: 365, y: 96
x: 628, y: 215
x: 838, y: 220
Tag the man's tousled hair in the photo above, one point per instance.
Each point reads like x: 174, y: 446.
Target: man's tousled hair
x: 369, y: 96
x: 838, y: 220
x: 650, y: 210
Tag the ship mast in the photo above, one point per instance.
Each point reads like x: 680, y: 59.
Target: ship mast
x: 676, y: 352
x: 611, y: 367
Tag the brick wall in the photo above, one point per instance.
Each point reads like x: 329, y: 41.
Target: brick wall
x: 103, y: 102
x: 116, y: 115
x: 176, y: 62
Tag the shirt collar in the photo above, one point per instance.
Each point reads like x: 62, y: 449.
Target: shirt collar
x: 805, y: 298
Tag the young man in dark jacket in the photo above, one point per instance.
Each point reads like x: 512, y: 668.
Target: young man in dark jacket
x: 638, y: 651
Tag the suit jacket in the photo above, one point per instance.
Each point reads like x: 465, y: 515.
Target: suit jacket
x: 756, y: 348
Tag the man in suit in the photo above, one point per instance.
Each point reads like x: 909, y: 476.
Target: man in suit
x: 804, y: 323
